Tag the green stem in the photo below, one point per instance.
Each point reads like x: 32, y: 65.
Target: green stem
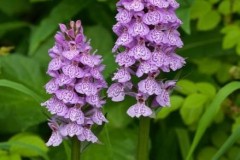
x: 76, y: 149
x: 143, y: 138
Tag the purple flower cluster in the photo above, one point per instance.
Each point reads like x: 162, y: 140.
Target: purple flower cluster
x: 75, y: 86
x: 147, y: 40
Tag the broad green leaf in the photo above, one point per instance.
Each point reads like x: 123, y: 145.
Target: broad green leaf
x: 197, y: 10
x: 213, y: 1
x: 117, y: 112
x: 236, y: 124
x: 218, y: 138
x: 183, y: 140
x: 219, y: 116
x: 206, y: 89
x: 32, y: 145
x: 225, y: 7
x: 3, y: 152
x: 211, y: 112
x: 107, y: 17
x: 230, y: 28
x: 59, y: 152
x: 223, y: 73
x: 236, y: 6
x: 114, y: 147
x: 232, y: 37
x: 12, y: 25
x: 192, y: 108
x: 34, y: 1
x: 64, y: 11
x: 176, y: 102
x: 186, y: 87
x: 209, y: 21
x: 19, y: 6
x: 238, y: 48
x: 19, y: 75
x: 228, y: 143
x: 184, y: 14
x: 201, y: 44
x: 102, y: 41
x: 206, y: 153
x: 207, y: 65
x: 24, y: 70
x: 11, y: 157
x: 18, y: 110
x: 233, y: 153
x: 41, y: 54
x: 21, y: 88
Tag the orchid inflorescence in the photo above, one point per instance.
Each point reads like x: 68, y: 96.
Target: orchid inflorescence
x: 76, y: 103
x: 147, y: 40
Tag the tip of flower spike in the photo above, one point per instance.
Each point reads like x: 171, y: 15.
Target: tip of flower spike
x: 78, y: 24
x: 62, y: 27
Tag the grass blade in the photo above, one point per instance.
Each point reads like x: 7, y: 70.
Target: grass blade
x: 183, y: 140
x: 211, y: 112
x: 228, y: 143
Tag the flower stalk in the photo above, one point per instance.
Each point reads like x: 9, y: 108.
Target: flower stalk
x: 143, y: 138
x: 76, y: 149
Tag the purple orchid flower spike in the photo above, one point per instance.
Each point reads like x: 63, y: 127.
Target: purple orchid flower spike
x: 147, y: 40
x: 75, y: 86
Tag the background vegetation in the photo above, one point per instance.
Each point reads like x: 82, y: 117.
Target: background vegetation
x: 211, y: 34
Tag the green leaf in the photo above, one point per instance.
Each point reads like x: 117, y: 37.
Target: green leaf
x: 206, y: 153
x: 198, y: 43
x: 236, y: 6
x: 41, y: 54
x: 219, y: 116
x: 233, y: 153
x: 117, y: 112
x: 192, y: 108
x: 207, y: 65
x: 18, y: 110
x: 11, y: 157
x: 197, y: 10
x: 30, y: 145
x: 238, y: 48
x: 232, y: 36
x: 236, y: 124
x: 228, y: 143
x: 103, y: 45
x: 176, y: 102
x: 21, y: 88
x: 34, y: 1
x: 183, y: 140
x: 218, y: 138
x: 12, y: 25
x: 206, y: 88
x: 209, y: 21
x: 225, y: 7
x: 114, y: 147
x: 211, y: 112
x: 223, y: 73
x: 64, y: 11
x: 19, y: 6
x: 213, y: 1
x: 184, y: 14
x: 186, y: 87
x: 24, y: 70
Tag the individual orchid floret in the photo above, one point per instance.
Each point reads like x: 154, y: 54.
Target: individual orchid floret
x: 145, y: 48
x: 77, y: 80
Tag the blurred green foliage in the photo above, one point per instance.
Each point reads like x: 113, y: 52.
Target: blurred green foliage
x: 211, y: 34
